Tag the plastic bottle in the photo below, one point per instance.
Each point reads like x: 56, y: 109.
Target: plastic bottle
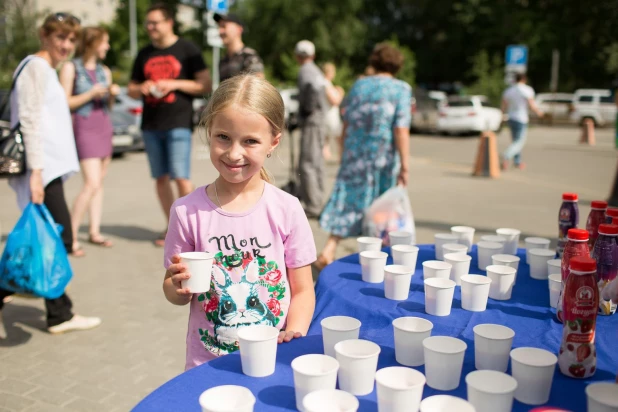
x: 577, y: 245
x: 568, y: 218
x: 610, y: 214
x: 595, y: 218
x: 578, y: 357
x: 605, y: 252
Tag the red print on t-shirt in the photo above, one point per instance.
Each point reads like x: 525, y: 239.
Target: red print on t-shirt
x: 160, y: 68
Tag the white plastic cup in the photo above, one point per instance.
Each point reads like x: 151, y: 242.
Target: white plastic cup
x: 441, y: 239
x: 460, y: 265
x: 366, y: 243
x: 444, y: 358
x: 554, y: 266
x: 533, y: 369
x: 358, y: 361
x: 491, y: 391
x: 502, y: 281
x: 465, y: 235
x: 474, y: 292
x: 400, y: 237
x: 330, y: 400
x: 555, y: 287
x: 399, y: 389
x: 336, y: 329
x: 436, y: 269
x: 449, y: 248
x: 495, y: 238
x: 258, y: 349
x: 439, y: 296
x: 602, y: 397
x: 311, y: 373
x: 512, y: 239
x: 397, y: 280
x: 405, y: 255
x: 227, y: 398
x: 535, y: 243
x: 199, y: 266
x: 446, y: 403
x: 485, y: 251
x: 538, y: 262
x: 507, y: 260
x: 492, y: 346
x: 372, y: 266
x: 409, y: 335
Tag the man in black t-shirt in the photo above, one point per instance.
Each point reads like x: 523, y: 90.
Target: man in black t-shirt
x: 168, y: 74
x: 238, y: 58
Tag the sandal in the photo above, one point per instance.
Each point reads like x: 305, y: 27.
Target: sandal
x: 160, y: 240
x: 322, y: 262
x: 100, y: 241
x: 77, y: 252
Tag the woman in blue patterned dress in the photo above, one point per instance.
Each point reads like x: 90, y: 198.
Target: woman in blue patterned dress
x: 376, y: 147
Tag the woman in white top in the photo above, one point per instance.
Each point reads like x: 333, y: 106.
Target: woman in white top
x: 39, y: 103
x: 334, y: 95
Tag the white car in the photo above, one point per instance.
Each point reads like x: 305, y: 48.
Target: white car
x: 596, y: 104
x: 469, y: 114
x: 556, y: 106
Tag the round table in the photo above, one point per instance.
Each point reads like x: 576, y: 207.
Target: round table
x: 340, y: 291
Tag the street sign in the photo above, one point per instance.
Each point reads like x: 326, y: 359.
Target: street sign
x: 516, y: 55
x: 218, y: 6
x: 192, y: 3
x: 212, y: 37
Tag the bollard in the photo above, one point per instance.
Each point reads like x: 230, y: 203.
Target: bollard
x: 487, y: 159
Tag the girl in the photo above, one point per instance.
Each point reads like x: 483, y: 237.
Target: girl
x: 334, y: 95
x: 259, y: 234
x: 90, y: 92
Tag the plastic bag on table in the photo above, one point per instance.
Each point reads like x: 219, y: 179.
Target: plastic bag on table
x: 35, y: 261
x: 389, y: 212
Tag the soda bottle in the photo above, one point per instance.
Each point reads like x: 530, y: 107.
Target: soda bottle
x: 567, y: 219
x: 610, y: 214
x: 605, y: 252
x: 577, y: 245
x: 595, y: 218
x: 578, y: 357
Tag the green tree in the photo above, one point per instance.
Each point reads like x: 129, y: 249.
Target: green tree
x: 489, y: 77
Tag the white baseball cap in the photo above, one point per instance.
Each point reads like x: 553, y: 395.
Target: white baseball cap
x: 304, y: 48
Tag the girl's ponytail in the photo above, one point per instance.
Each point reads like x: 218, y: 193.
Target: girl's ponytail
x: 267, y: 177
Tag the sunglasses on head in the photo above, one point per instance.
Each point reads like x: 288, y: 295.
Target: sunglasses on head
x: 66, y: 16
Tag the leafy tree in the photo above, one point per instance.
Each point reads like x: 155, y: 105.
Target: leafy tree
x: 489, y: 77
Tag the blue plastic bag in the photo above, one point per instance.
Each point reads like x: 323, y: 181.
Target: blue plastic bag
x: 35, y: 261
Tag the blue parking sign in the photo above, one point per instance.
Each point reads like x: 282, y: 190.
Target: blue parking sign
x: 516, y: 55
x: 217, y: 6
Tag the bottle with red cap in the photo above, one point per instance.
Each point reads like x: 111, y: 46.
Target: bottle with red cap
x: 611, y: 213
x: 577, y: 245
x: 578, y: 357
x: 595, y: 218
x: 605, y: 252
x: 568, y: 218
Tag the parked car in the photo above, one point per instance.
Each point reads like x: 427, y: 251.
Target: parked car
x: 425, y: 110
x: 127, y: 135
x: 596, y: 104
x: 290, y: 103
x: 466, y: 114
x: 556, y: 106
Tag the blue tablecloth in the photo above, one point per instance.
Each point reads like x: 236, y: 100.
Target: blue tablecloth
x: 340, y: 291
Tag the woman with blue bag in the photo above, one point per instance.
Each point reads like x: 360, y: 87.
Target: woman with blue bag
x: 39, y: 106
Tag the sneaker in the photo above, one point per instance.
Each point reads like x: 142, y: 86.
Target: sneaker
x: 76, y: 323
x: 2, y: 330
x: 504, y: 164
x: 521, y: 166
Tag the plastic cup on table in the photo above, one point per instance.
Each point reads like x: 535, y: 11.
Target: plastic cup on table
x: 372, y: 266
x: 491, y: 391
x: 400, y: 237
x: 533, y: 369
x: 442, y: 238
x: 538, y: 262
x: 445, y: 403
x: 439, y: 296
x: 258, y: 349
x: 444, y: 358
x: 399, y: 389
x: 492, y: 346
x: 535, y: 243
x: 465, y: 235
x: 474, y: 292
x: 502, y: 281
x: 358, y: 361
x: 449, y: 248
x: 336, y: 329
x: 397, y: 280
x: 405, y: 255
x: 555, y: 287
x: 460, y: 265
x: 227, y: 398
x: 512, y: 239
x: 485, y: 251
x: 369, y: 243
x: 507, y: 260
x: 436, y: 269
x: 554, y: 266
x: 410, y: 332
x: 330, y: 400
x: 311, y: 373
x: 602, y: 397
x: 495, y: 238
x: 199, y: 266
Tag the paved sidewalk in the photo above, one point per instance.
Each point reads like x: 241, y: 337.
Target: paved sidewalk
x: 140, y: 344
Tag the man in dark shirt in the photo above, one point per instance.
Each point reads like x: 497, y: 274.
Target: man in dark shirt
x: 239, y: 58
x: 167, y: 74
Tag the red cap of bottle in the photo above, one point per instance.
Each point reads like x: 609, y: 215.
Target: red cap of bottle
x: 612, y: 211
x: 583, y: 264
x: 571, y: 197
x: 598, y: 204
x: 577, y: 234
x: 608, y: 229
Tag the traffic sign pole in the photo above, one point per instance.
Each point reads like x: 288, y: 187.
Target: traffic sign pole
x: 212, y: 36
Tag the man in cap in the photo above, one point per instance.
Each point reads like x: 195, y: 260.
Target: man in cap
x: 312, y: 111
x: 239, y: 58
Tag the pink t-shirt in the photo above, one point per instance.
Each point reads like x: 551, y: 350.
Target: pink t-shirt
x: 249, y: 283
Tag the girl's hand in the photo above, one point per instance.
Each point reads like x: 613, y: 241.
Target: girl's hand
x: 179, y: 273
x: 114, y: 90
x: 288, y: 335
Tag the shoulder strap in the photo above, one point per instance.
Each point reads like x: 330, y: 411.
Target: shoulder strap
x: 7, y: 98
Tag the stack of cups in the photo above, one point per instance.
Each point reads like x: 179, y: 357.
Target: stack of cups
x: 495, y: 239
x: 311, y: 373
x: 358, y: 361
x: 554, y: 266
x: 511, y: 261
x: 474, y: 292
x: 405, y: 255
x: 460, y: 265
x: 397, y: 280
x: 502, y: 281
x: 492, y: 346
x: 454, y: 248
x: 535, y: 243
x: 330, y: 400
x: 400, y: 237
x: 399, y: 389
x: 444, y: 358
x: 227, y: 398
x: 439, y: 296
x: 465, y: 235
x: 555, y: 287
x: 446, y: 403
x: 538, y: 259
x: 372, y: 266
x: 602, y: 397
x: 199, y: 267
x: 512, y: 239
x: 533, y: 369
x: 336, y: 329
x: 258, y: 350
x: 367, y: 243
x: 410, y: 332
x: 440, y: 239
x: 491, y: 391
x: 485, y: 251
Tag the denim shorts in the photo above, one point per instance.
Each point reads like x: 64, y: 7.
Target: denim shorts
x: 169, y: 152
